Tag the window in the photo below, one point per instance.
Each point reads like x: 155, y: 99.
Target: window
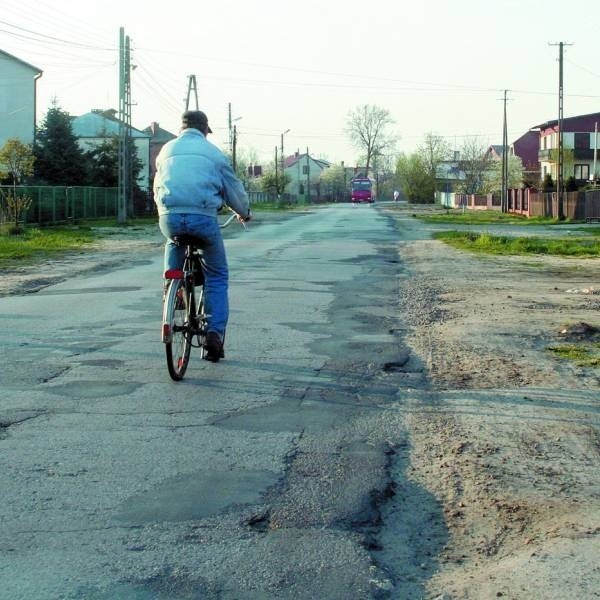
x: 582, y: 140
x: 582, y: 172
x: 305, y: 170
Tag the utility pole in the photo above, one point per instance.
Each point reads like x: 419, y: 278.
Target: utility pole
x: 307, y: 175
x: 594, y: 176
x: 504, y: 199
x: 282, y: 159
x: 191, y: 87
x: 283, y: 162
x: 234, y: 146
x: 229, y: 127
x: 276, y: 174
x: 125, y: 183
x: 561, y: 155
x: 298, y: 174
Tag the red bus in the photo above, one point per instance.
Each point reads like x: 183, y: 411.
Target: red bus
x: 362, y: 189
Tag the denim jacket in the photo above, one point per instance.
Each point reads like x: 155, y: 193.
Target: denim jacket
x: 193, y: 176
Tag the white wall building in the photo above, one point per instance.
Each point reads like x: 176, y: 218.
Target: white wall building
x: 302, y: 168
x: 17, y: 99
x: 95, y: 127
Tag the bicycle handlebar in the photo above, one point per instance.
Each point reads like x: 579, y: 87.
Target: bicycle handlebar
x: 230, y: 219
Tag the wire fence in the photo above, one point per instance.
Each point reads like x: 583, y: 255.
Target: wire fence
x: 60, y: 204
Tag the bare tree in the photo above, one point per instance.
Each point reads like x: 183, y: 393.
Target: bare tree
x: 16, y: 160
x: 432, y: 152
x: 367, y: 126
x: 493, y: 179
x: 474, y: 163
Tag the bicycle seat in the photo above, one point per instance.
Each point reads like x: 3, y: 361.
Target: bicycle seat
x: 187, y: 240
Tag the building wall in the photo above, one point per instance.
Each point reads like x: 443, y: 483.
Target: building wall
x: 297, y: 174
x: 17, y: 100
x: 526, y: 148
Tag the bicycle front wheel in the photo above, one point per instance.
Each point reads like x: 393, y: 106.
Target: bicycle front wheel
x: 177, y: 329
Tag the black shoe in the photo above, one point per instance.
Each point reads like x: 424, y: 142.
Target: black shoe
x: 213, y: 347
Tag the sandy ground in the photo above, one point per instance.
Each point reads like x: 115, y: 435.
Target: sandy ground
x: 508, y: 436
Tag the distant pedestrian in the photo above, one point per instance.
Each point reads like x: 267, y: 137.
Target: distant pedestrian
x: 396, y: 195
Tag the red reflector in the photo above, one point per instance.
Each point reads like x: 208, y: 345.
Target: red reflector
x: 173, y: 274
x: 166, y: 332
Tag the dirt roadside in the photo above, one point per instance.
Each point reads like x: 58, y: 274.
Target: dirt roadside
x: 508, y: 438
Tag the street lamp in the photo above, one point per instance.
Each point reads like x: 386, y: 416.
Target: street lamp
x: 282, y: 156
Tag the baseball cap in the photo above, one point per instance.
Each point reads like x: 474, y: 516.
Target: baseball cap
x: 196, y: 119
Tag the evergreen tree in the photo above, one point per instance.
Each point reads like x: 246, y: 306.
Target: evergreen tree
x: 104, y: 163
x: 547, y: 183
x: 58, y: 158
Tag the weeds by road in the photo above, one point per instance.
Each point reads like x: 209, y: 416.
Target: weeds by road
x: 34, y: 242
x: 507, y: 245
x: 485, y: 217
x: 37, y: 243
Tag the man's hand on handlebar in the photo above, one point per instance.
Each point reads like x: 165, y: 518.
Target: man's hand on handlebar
x: 244, y: 219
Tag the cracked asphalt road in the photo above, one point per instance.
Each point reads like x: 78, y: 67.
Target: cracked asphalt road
x: 263, y: 476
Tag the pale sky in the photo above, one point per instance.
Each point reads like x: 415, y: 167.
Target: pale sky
x: 437, y: 65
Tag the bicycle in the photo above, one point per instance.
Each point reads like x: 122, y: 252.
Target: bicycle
x: 184, y: 323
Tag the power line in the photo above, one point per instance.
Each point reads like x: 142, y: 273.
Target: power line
x: 51, y: 15
x: 49, y: 38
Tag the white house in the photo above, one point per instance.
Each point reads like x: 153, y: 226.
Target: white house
x: 17, y: 98
x: 95, y: 127
x: 302, y: 169
x: 580, y: 146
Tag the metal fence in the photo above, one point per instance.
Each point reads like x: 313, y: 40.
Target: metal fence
x: 60, y: 204
x: 577, y: 206
x: 261, y: 197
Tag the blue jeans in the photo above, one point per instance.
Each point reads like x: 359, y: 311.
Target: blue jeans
x: 207, y: 230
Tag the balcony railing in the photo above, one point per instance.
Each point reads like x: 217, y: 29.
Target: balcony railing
x: 548, y: 154
x: 551, y: 154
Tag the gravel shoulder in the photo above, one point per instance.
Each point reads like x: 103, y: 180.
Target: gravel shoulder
x: 504, y: 435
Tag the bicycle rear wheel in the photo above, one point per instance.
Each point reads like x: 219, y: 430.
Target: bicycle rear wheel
x: 177, y: 329
x: 201, y: 317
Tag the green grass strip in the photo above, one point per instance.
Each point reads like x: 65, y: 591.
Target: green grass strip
x: 486, y: 243
x: 36, y: 242
x: 582, y: 356
x: 488, y: 217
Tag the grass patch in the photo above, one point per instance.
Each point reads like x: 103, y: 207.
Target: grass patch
x: 581, y: 355
x: 485, y: 243
x: 487, y: 217
x: 590, y: 230
x: 36, y: 242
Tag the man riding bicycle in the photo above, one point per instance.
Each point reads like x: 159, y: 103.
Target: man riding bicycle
x: 193, y: 181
